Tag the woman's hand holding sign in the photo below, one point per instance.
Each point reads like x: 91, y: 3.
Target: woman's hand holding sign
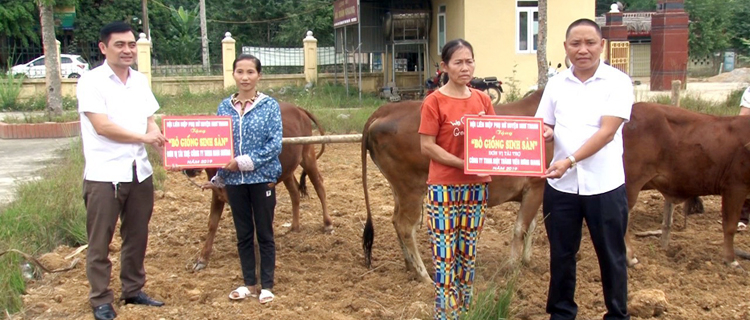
x: 481, y: 113
x: 232, y: 165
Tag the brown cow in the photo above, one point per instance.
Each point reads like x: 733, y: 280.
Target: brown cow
x: 685, y: 154
x: 390, y: 135
x: 658, y: 139
x: 297, y: 122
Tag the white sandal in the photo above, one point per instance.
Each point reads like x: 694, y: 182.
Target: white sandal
x: 266, y: 296
x: 240, y: 293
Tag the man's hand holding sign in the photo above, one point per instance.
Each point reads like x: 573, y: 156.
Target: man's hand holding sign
x: 198, y: 142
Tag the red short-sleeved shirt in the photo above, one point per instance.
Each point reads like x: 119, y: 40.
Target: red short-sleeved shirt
x: 443, y: 117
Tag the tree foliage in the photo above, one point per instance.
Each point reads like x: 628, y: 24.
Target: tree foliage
x: 251, y: 22
x: 19, y: 19
x: 639, y: 5
x: 715, y: 25
x: 709, y: 22
x: 739, y: 26
x: 282, y: 23
x: 183, y: 45
x: 314, y: 15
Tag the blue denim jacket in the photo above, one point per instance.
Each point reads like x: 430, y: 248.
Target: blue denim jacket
x: 257, y: 141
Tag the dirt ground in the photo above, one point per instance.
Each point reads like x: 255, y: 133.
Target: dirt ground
x: 322, y: 276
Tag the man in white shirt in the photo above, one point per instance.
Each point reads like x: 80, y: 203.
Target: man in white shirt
x: 744, y: 111
x: 584, y: 109
x: 117, y: 118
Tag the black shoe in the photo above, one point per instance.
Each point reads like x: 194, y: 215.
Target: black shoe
x: 143, y: 299
x: 104, y: 312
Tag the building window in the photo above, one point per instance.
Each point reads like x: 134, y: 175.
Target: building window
x: 441, y: 29
x: 527, y: 27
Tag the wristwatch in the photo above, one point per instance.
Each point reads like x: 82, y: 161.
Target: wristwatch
x: 572, y: 161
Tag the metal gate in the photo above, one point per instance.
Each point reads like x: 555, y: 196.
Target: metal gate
x: 640, y: 59
x: 619, y: 55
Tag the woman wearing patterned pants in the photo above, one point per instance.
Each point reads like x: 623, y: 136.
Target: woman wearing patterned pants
x: 456, y: 216
x: 456, y: 201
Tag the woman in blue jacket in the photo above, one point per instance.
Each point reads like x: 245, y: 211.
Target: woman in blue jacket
x: 249, y: 177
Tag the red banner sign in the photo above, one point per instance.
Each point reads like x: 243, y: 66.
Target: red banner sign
x: 345, y: 12
x: 501, y: 145
x: 197, y: 141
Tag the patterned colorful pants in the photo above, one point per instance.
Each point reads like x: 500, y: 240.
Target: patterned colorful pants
x: 456, y: 216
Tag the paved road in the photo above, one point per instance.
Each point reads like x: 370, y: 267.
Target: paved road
x: 21, y: 160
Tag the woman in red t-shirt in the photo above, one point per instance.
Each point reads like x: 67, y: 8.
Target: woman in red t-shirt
x: 456, y: 201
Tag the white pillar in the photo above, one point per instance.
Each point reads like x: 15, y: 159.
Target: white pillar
x: 143, y: 46
x: 310, y: 45
x: 228, y: 56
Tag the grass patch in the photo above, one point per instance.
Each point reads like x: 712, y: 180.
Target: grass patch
x: 46, y: 213
x: 327, y: 96
x: 67, y: 116
x: 337, y: 112
x: 39, y: 103
x: 494, y: 302
x: 729, y: 107
x: 512, y: 89
x: 188, y: 103
x: 49, y: 212
x: 10, y: 89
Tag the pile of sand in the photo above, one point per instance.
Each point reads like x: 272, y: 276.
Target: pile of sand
x: 736, y: 75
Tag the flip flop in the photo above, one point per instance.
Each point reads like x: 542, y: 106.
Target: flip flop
x: 265, y: 296
x: 240, y: 293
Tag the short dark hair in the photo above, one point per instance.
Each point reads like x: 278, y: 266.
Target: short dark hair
x: 246, y: 56
x: 584, y: 22
x: 113, y: 27
x: 452, y: 46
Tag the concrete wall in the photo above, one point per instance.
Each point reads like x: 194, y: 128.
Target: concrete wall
x: 371, y: 82
x: 454, y: 24
x: 37, y: 87
x: 491, y: 26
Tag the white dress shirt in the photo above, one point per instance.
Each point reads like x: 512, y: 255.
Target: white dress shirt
x: 126, y: 104
x: 575, y: 110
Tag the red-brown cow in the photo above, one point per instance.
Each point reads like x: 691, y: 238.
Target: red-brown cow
x: 391, y: 137
x: 685, y: 154
x: 296, y: 122
x: 680, y: 153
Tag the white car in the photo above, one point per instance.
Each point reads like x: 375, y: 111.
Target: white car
x: 72, y: 66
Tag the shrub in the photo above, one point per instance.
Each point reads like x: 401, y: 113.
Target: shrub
x: 10, y: 89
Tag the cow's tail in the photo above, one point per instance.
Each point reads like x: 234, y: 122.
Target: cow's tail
x: 368, y: 235
x: 320, y: 130
x: 303, y: 175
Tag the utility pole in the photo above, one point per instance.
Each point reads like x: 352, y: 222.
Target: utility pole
x: 204, y: 36
x: 144, y: 8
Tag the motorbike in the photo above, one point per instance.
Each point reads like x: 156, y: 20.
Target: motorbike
x: 551, y: 72
x: 489, y: 85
